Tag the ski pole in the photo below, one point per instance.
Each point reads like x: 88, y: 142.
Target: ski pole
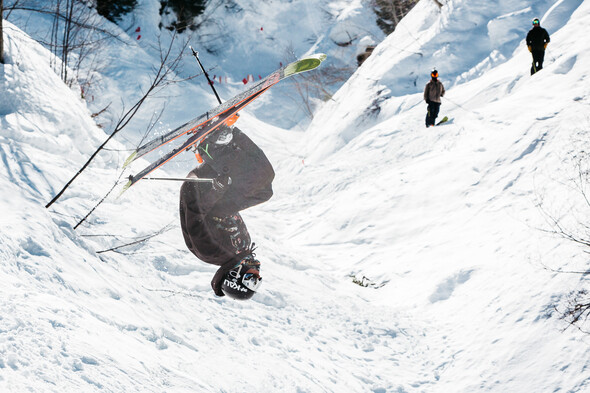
x: 196, y: 54
x: 189, y: 179
x: 465, y: 109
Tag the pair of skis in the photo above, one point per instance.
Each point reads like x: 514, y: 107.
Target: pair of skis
x: 209, y: 121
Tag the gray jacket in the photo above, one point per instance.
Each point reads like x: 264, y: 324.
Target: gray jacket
x: 433, y: 91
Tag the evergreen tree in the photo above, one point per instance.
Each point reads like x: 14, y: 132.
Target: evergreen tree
x: 185, y: 10
x: 114, y: 9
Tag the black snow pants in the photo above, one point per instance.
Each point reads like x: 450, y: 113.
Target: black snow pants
x: 433, y: 108
x: 538, y: 57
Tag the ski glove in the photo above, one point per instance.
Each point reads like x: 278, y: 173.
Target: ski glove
x: 220, y: 183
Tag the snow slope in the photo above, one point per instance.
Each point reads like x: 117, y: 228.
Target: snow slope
x: 442, y: 221
x: 243, y: 39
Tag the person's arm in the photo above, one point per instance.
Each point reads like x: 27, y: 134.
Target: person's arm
x: 546, y: 37
x: 202, y: 197
x: 529, y: 43
x: 442, y: 94
x: 426, y: 94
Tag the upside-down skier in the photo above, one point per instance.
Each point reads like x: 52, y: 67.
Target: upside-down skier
x: 212, y: 226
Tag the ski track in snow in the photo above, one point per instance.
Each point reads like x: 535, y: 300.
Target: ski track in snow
x: 441, y: 224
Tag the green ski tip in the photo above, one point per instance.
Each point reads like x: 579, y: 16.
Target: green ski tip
x: 124, y: 189
x: 130, y: 159
x: 305, y: 64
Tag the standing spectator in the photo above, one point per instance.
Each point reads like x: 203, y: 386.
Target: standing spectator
x: 537, y: 40
x: 433, y: 91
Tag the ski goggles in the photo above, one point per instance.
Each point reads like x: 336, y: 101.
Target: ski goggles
x: 252, y: 280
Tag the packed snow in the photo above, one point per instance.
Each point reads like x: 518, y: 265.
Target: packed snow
x: 445, y: 228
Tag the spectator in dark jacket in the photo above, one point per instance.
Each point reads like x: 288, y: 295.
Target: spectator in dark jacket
x: 433, y: 91
x: 209, y: 212
x: 537, y: 40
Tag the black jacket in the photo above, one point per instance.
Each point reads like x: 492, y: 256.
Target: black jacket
x: 537, y: 38
x: 212, y: 227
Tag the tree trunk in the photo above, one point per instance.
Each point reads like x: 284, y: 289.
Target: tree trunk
x: 394, y: 13
x: 1, y: 33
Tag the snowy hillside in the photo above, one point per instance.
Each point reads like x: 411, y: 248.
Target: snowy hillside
x: 442, y: 222
x: 249, y: 39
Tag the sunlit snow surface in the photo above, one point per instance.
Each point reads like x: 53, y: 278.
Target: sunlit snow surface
x: 443, y: 223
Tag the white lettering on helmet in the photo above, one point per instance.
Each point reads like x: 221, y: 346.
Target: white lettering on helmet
x: 234, y: 285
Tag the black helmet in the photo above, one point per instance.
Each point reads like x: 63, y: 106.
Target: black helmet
x: 243, y: 280
x: 536, y: 22
x: 434, y: 74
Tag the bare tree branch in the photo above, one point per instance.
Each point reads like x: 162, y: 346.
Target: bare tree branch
x: 577, y: 309
x: 1, y: 32
x: 141, y: 240
x: 160, y: 79
x: 154, y: 120
x: 64, y: 17
x: 173, y: 292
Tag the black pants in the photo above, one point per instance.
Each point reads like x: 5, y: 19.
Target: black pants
x: 433, y: 108
x: 538, y: 57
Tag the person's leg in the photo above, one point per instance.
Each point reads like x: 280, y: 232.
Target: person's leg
x: 537, y: 60
x: 540, y: 58
x: 435, y: 110
x: 431, y: 115
x: 235, y: 226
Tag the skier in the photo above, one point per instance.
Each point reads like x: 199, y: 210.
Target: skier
x: 433, y: 91
x: 537, y: 40
x: 211, y: 224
